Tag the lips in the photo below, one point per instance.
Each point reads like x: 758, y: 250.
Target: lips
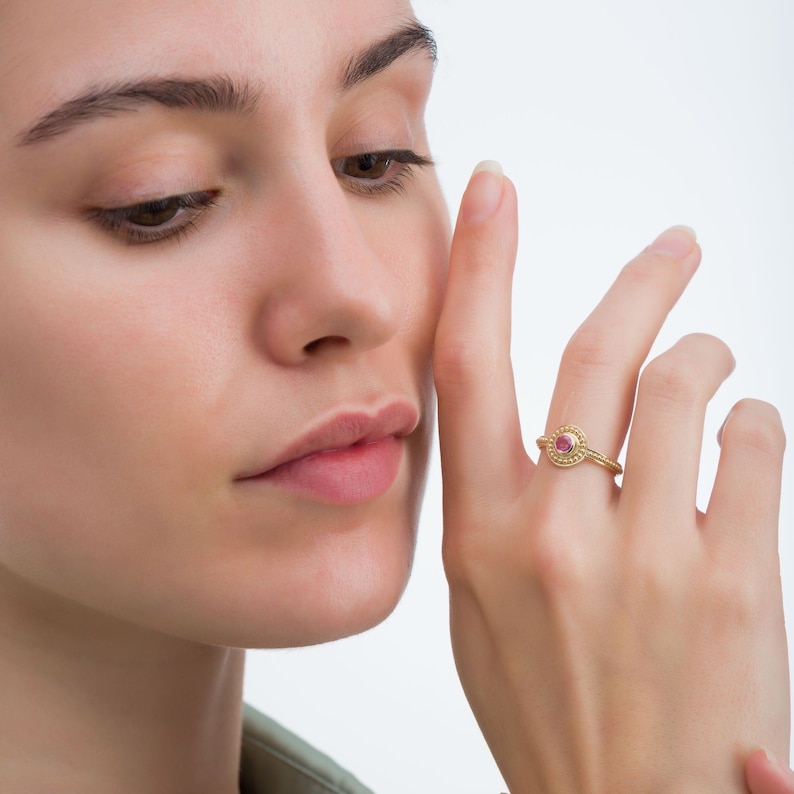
x: 352, y: 458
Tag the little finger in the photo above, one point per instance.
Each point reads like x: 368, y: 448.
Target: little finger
x: 745, y: 501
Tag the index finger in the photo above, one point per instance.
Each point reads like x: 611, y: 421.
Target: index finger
x: 481, y: 449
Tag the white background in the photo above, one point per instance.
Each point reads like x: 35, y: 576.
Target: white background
x: 616, y: 119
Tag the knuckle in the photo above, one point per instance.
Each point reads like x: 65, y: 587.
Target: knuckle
x: 462, y: 564
x: 672, y: 379
x: 735, y: 596
x: 647, y: 271
x: 484, y: 260
x: 540, y: 554
x: 462, y: 363
x: 471, y: 555
x: 590, y: 351
x: 656, y: 578
x: 558, y: 570
x: 559, y: 565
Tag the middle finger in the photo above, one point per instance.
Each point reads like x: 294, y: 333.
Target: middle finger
x: 598, y: 374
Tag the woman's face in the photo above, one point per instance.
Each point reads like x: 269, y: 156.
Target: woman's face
x: 221, y: 250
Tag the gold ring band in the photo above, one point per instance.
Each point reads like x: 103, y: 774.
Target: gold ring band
x: 567, y: 446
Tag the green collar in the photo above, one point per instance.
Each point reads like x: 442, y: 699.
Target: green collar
x: 276, y: 761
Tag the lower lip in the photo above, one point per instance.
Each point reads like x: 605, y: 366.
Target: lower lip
x: 345, y: 476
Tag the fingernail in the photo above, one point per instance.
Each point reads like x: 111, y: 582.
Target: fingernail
x: 721, y: 432
x: 770, y: 757
x: 483, y: 196
x: 677, y: 241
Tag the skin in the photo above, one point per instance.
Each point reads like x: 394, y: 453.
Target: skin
x: 601, y: 632
x: 147, y: 378
x: 141, y: 381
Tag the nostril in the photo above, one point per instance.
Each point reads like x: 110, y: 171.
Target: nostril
x: 326, y: 341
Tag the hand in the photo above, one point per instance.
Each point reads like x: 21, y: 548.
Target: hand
x: 608, y: 639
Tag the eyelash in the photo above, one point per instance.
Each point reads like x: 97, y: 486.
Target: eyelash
x: 395, y: 167
x: 188, y: 207
x: 400, y: 166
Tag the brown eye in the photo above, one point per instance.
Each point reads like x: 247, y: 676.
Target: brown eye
x: 366, y: 166
x: 152, y: 221
x: 156, y: 213
x: 386, y: 172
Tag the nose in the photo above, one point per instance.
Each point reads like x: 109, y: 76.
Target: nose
x: 333, y: 289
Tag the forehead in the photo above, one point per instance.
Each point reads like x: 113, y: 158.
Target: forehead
x: 50, y: 49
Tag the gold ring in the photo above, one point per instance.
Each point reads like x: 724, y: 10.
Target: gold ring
x: 567, y: 446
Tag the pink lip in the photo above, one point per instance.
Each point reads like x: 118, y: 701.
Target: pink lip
x: 350, y: 459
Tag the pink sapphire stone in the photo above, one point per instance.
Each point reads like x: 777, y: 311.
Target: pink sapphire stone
x: 563, y: 444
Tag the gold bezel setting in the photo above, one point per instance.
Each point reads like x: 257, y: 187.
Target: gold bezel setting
x: 567, y: 446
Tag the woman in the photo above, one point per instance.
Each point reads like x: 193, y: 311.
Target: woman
x: 224, y: 260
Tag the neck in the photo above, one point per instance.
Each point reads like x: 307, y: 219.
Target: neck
x: 94, y: 705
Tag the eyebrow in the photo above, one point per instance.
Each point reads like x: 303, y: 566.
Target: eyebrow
x: 210, y: 95
x: 216, y: 94
x: 384, y: 53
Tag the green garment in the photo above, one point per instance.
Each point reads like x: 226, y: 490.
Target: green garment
x: 276, y: 761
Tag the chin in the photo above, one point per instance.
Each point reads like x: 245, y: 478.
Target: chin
x: 350, y: 579
x: 338, y: 585
x: 302, y: 574
x: 355, y: 586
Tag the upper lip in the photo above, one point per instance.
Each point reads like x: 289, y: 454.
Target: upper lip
x: 344, y: 430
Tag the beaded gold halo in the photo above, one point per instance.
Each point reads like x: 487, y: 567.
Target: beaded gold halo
x: 567, y: 446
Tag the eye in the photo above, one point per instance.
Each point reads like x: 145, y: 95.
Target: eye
x: 379, y: 172
x: 152, y: 221
x: 156, y: 213
x: 366, y: 166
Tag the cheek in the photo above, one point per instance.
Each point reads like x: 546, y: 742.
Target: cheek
x: 113, y: 468
x: 107, y: 377
x: 120, y: 401
x: 417, y: 248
